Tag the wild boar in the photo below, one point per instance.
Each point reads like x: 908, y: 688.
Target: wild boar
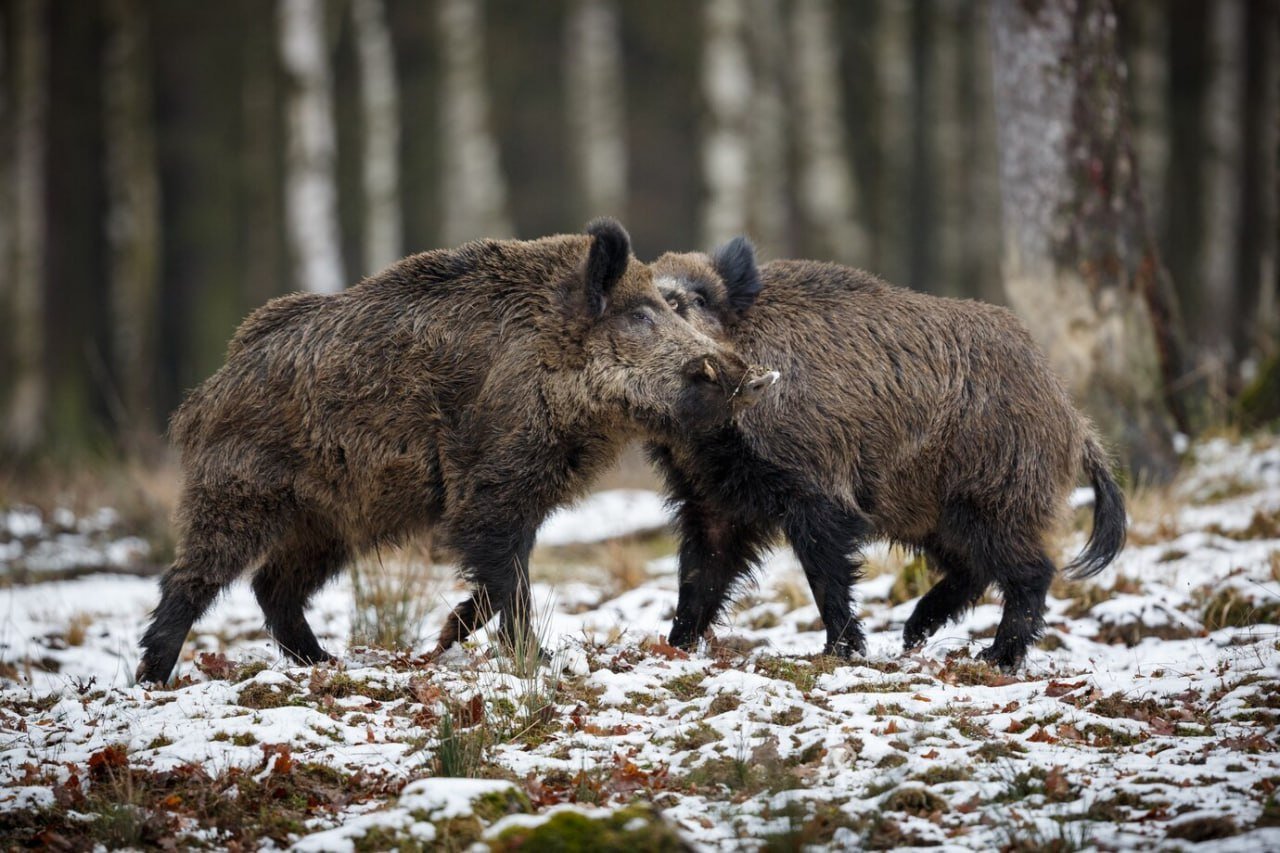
x: 469, y: 391
x: 933, y: 423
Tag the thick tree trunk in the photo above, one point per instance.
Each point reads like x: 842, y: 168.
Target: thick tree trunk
x: 28, y: 402
x: 726, y: 147
x: 1080, y: 265
x: 379, y: 101
x: 133, y: 218
x: 826, y: 180
x: 474, y: 189
x: 311, y: 195
x: 596, y: 108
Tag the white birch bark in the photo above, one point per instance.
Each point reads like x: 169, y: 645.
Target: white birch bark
x: 311, y: 192
x: 380, y: 102
x: 133, y: 216
x: 474, y: 190
x: 726, y: 149
x: 28, y: 402
x: 597, y: 107
x: 1222, y: 176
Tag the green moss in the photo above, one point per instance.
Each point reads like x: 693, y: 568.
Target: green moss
x: 495, y: 805
x: 695, y: 737
x: 634, y: 829
x: 261, y: 696
x: 685, y: 687
x: 802, y: 672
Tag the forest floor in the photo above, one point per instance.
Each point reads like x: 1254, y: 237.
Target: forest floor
x: 1149, y: 716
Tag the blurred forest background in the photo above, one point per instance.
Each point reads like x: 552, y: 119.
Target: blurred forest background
x: 166, y: 166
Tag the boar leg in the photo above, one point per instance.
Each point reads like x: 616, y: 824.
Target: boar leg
x: 715, y: 552
x: 955, y: 592
x: 215, y: 549
x: 497, y: 562
x: 293, y: 572
x: 825, y: 540
x: 1024, y: 588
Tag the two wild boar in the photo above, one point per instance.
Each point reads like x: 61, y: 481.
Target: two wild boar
x: 472, y: 391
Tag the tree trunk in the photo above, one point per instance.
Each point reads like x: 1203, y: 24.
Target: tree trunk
x: 474, y: 189
x: 893, y: 78
x: 311, y: 196
x: 979, y: 265
x: 596, y: 107
x: 826, y: 181
x: 1222, y: 179
x: 133, y: 219
x: 379, y: 97
x: 770, y: 211
x: 726, y: 147
x: 28, y: 403
x: 1183, y: 227
x: 1080, y: 265
x: 1256, y: 319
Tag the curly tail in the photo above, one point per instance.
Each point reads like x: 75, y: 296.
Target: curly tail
x: 1108, y: 516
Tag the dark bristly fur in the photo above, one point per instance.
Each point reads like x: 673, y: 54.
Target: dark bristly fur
x: 471, y: 390
x: 934, y: 423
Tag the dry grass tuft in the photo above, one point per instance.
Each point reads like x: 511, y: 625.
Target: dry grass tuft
x: 393, y: 595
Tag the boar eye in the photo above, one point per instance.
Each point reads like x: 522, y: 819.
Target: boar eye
x: 642, y: 316
x: 699, y: 301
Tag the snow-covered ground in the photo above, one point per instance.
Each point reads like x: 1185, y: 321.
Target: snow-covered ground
x: 1149, y: 716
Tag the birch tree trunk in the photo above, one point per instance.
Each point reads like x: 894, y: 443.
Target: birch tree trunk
x: 1223, y: 121
x: 826, y: 180
x: 474, y: 189
x: 597, y: 107
x: 726, y: 148
x: 311, y: 194
x: 1080, y: 265
x: 28, y: 403
x: 380, y: 104
x: 133, y: 217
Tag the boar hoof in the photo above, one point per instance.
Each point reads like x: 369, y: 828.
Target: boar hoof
x: 1003, y: 659
x: 845, y: 650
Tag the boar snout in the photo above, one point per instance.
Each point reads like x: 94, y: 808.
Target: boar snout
x: 755, y: 382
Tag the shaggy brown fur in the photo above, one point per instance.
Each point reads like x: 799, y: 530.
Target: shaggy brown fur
x: 934, y: 423
x: 471, y: 390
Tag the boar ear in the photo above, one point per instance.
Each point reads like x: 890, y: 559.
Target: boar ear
x: 606, y: 261
x: 735, y: 263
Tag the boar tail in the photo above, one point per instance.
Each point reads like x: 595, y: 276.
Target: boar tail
x: 1108, y: 516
